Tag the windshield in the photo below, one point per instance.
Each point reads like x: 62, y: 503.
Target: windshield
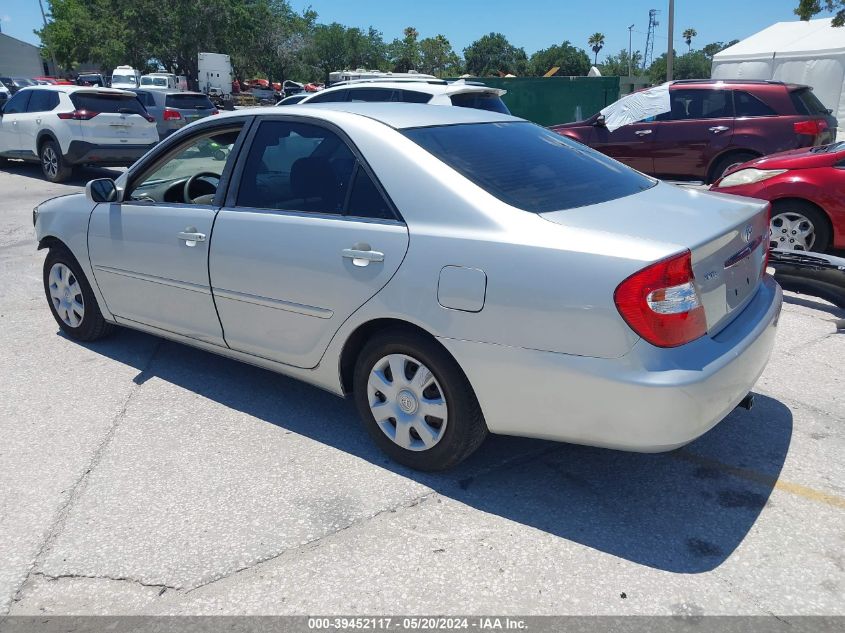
x: 530, y: 167
x: 123, y: 79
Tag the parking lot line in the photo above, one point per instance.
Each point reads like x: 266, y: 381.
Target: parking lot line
x: 761, y: 478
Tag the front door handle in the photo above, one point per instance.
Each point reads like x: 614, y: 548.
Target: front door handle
x: 716, y: 129
x: 191, y: 237
x: 642, y: 132
x: 361, y: 255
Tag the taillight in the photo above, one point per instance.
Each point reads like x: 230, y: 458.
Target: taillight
x: 810, y: 128
x: 215, y: 112
x: 149, y: 117
x: 661, y: 303
x: 767, y: 242
x: 171, y: 115
x: 77, y: 115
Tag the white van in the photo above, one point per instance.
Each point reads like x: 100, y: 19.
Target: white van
x: 125, y: 77
x: 164, y: 81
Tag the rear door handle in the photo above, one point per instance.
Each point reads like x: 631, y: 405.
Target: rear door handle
x: 191, y: 238
x: 716, y: 129
x: 642, y: 132
x: 362, y: 257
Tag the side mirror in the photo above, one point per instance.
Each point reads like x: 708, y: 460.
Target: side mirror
x: 600, y: 121
x: 101, y: 190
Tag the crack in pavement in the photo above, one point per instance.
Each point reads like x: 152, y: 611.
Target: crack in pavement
x: 79, y: 485
x: 129, y: 579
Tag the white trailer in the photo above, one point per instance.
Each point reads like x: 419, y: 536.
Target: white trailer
x: 214, y: 74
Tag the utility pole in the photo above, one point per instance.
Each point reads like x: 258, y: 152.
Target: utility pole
x: 52, y: 57
x: 630, y: 29
x: 670, y: 54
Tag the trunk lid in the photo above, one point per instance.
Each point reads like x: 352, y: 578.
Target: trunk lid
x: 725, y: 234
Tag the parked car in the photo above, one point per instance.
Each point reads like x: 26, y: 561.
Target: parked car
x: 456, y: 270
x: 92, y: 79
x: 52, y: 81
x: 125, y: 77
x: 164, y: 81
x: 434, y: 92
x: 807, y: 190
x: 174, y: 109
x: 713, y: 126
x: 292, y: 99
x: 64, y: 126
x: 13, y: 84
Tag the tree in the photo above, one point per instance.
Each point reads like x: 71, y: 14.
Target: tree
x: 493, y: 54
x: 329, y: 48
x: 617, y: 65
x: 688, y: 35
x: 693, y: 65
x: 596, y: 42
x: 438, y: 58
x: 405, y: 54
x: 571, y: 60
x: 711, y: 49
x: 808, y: 8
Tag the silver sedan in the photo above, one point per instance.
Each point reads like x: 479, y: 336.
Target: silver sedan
x: 457, y: 272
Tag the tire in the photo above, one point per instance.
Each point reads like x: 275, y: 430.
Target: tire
x: 726, y: 162
x: 455, y: 427
x: 71, y: 299
x: 789, y: 226
x: 53, y: 165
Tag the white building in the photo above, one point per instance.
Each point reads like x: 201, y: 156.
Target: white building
x: 810, y: 53
x: 19, y: 59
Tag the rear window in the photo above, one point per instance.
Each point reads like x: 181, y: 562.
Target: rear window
x: 107, y: 103
x: 480, y: 101
x: 528, y: 166
x: 806, y: 102
x: 188, y: 102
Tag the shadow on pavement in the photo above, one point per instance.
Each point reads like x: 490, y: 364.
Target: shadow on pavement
x: 808, y: 301
x: 683, y: 511
x: 81, y: 175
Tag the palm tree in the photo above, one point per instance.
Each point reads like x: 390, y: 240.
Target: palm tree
x: 596, y: 42
x: 688, y: 35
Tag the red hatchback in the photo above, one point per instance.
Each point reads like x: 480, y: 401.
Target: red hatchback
x: 713, y: 126
x: 807, y: 191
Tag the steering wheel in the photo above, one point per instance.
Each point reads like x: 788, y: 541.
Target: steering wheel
x: 204, y: 198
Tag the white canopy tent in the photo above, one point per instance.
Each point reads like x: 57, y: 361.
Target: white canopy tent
x: 811, y: 53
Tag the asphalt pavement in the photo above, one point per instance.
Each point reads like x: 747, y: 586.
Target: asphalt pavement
x: 139, y: 476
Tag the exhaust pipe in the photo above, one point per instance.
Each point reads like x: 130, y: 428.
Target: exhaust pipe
x: 747, y: 402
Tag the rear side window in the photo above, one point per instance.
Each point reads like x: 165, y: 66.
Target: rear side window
x: 189, y: 102
x: 529, y: 167
x: 365, y: 200
x: 43, y: 101
x: 806, y: 102
x: 412, y: 96
x: 748, y: 105
x: 480, y: 101
x: 107, y: 103
x: 296, y: 167
x: 698, y: 104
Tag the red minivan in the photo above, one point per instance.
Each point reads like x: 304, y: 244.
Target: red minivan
x: 713, y: 126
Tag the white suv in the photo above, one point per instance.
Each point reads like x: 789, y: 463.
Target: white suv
x: 63, y: 126
x: 431, y: 91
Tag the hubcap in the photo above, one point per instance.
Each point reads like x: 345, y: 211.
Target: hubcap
x: 792, y: 232
x: 50, y: 162
x: 407, y: 402
x: 66, y: 295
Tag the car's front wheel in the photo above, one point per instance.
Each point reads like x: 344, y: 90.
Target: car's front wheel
x: 798, y: 225
x: 71, y: 299
x: 53, y: 165
x: 416, y: 402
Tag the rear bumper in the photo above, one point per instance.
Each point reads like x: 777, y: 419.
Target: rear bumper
x: 82, y: 152
x: 650, y: 400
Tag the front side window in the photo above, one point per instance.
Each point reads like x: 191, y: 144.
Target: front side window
x: 698, y: 104
x: 18, y: 103
x: 530, y: 167
x: 296, y: 167
x: 191, y: 174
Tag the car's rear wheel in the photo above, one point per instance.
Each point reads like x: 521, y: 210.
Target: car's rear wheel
x: 53, y: 165
x: 798, y: 225
x: 416, y: 402
x: 71, y: 299
x: 726, y: 163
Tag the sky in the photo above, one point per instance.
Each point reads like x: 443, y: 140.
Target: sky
x: 532, y: 24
